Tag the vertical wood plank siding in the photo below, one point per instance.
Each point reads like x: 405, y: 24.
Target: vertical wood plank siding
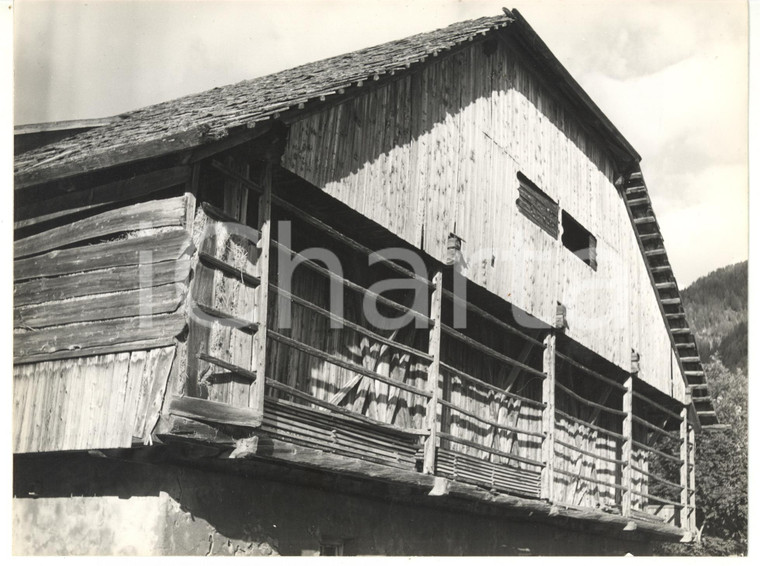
x: 95, y: 402
x: 439, y: 151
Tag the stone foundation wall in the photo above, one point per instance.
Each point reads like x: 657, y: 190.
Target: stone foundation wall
x: 77, y: 504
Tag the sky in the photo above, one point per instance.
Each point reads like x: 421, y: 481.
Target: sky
x: 670, y: 74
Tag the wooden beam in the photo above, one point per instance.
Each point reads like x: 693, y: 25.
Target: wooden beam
x: 330, y: 358
x: 56, y: 205
x: 214, y: 412
x: 133, y: 251
x: 46, y: 289
x: 433, y: 375
x: 548, y: 417
x: 627, y: 448
x: 691, y: 523
x: 259, y: 350
x: 152, y: 214
x: 157, y: 300
x: 490, y: 351
x: 53, y: 343
x: 237, y: 370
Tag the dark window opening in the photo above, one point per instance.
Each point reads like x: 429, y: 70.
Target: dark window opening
x: 537, y: 206
x: 578, y: 240
x: 333, y: 548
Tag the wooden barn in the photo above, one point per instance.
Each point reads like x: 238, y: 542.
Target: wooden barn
x: 202, y: 363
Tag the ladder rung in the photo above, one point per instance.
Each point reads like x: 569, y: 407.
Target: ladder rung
x: 680, y: 330
x: 644, y: 220
x: 674, y: 301
x: 666, y: 285
x: 660, y: 268
x: 638, y: 201
x: 658, y: 251
x: 694, y: 373
x: 691, y: 359
x: 654, y: 236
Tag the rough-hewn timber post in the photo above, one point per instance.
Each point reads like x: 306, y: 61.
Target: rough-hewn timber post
x: 684, y: 456
x: 692, y: 524
x: 627, y: 448
x: 548, y: 418
x: 434, y: 349
x: 262, y: 298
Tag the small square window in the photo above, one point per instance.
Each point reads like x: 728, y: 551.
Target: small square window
x: 331, y: 548
x: 578, y: 240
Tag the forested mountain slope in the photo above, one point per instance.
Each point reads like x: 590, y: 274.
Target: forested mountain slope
x: 716, y: 307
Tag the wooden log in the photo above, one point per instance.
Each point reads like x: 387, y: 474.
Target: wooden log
x: 467, y: 377
x: 227, y: 319
x: 433, y: 375
x: 471, y: 444
x: 49, y: 342
x: 259, y: 349
x: 350, y: 284
x: 109, y: 280
x: 588, y: 479
x: 585, y: 401
x: 651, y: 450
x: 627, y: 447
x: 548, y: 417
x: 684, y: 467
x: 655, y: 477
x: 211, y: 411
x: 346, y: 364
x: 158, y: 300
x: 489, y: 317
x: 588, y: 424
x: 490, y: 351
x: 133, y: 251
x: 348, y: 324
x: 153, y: 214
x: 587, y: 452
x: 654, y: 428
x: 46, y: 207
x: 592, y: 373
x: 656, y: 405
x: 490, y: 422
x: 237, y: 370
x: 218, y: 264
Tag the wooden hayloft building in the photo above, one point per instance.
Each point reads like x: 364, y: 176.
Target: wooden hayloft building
x: 199, y: 361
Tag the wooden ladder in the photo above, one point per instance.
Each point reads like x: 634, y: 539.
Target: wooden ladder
x: 652, y: 246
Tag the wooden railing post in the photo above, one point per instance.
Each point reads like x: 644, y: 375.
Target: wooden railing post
x: 548, y: 417
x: 262, y: 298
x: 627, y: 448
x: 434, y: 349
x: 684, y: 438
x: 692, y: 523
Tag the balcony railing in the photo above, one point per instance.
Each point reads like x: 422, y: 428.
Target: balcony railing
x: 488, y: 403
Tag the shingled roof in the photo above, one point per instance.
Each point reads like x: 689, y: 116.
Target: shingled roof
x: 213, y: 114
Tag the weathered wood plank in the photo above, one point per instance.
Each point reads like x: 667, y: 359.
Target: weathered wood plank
x: 433, y: 375
x: 133, y: 251
x: 153, y: 214
x: 80, y: 337
x: 155, y: 300
x: 103, y: 281
x: 68, y: 202
x: 212, y: 411
x: 149, y: 407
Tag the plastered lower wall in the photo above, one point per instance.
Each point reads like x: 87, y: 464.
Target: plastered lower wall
x: 122, y: 508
